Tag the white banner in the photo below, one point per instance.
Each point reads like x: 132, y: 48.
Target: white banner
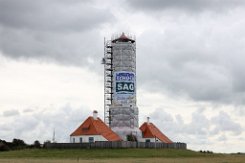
x: 124, y: 86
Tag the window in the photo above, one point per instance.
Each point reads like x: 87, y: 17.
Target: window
x: 81, y: 140
x: 73, y: 140
x: 147, y: 140
x: 91, y: 139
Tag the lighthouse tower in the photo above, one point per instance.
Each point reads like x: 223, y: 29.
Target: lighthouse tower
x: 121, y: 111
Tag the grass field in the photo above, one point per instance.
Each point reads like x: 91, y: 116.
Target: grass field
x: 115, y: 155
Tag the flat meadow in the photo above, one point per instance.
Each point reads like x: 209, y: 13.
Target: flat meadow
x: 116, y: 156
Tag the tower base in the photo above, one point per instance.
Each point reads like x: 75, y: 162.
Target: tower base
x: 128, y: 133
x: 124, y: 121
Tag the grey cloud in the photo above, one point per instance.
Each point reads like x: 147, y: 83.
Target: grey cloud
x: 161, y: 114
x: 197, y: 61
x: 24, y: 124
x: 165, y: 122
x: 10, y: 113
x: 188, y: 5
x: 199, y: 129
x: 28, y: 110
x: 224, y: 123
x: 66, y: 49
x: 177, y: 129
x: 240, y: 111
x: 57, y: 31
x: 52, y: 16
x: 198, y: 56
x: 5, y: 129
x: 199, y: 124
x: 39, y: 125
x: 222, y: 138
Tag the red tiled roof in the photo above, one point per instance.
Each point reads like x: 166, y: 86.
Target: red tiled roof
x: 96, y: 127
x: 149, y: 130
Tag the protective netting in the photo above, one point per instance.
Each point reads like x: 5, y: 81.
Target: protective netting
x: 124, y: 112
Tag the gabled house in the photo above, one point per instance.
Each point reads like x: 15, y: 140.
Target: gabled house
x: 93, y: 129
x: 150, y: 133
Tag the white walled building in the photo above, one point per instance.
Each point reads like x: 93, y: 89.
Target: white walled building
x: 93, y: 129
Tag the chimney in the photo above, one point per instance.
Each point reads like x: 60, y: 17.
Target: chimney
x: 95, y: 114
x: 148, y: 120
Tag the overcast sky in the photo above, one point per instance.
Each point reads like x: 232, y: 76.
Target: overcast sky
x: 190, y: 67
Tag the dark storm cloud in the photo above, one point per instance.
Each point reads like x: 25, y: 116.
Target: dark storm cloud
x: 201, y: 58
x: 189, y: 5
x: 52, y: 16
x: 62, y: 31
x: 196, y: 51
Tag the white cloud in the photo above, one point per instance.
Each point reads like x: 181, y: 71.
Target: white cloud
x: 41, y: 124
x: 204, y: 131
x: 46, y: 96
x: 223, y: 122
x: 41, y: 84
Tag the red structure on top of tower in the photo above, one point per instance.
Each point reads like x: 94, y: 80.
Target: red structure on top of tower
x: 123, y: 38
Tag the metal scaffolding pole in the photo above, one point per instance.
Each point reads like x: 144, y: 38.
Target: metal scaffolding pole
x: 107, y: 61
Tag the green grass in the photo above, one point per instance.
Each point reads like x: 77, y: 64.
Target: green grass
x: 115, y: 156
x: 103, y: 153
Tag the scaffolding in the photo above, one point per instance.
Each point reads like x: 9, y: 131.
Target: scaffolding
x: 108, y: 75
